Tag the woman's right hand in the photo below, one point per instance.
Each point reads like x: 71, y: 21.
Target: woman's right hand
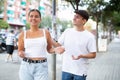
x: 59, y: 49
x: 21, y: 54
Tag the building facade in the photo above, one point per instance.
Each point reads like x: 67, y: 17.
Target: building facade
x: 15, y: 11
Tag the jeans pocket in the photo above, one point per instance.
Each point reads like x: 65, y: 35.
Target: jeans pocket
x: 45, y: 65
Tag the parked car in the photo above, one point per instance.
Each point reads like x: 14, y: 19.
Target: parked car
x: 2, y: 43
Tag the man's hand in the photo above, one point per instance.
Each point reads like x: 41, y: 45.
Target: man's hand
x: 77, y: 57
x: 88, y: 56
x: 59, y: 49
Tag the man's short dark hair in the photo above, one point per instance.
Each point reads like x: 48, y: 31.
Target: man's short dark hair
x: 11, y: 31
x: 83, y: 13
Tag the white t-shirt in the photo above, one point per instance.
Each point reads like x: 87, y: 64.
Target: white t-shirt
x: 10, y: 39
x: 76, y: 43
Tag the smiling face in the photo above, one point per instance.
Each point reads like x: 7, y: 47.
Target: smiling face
x: 34, y: 18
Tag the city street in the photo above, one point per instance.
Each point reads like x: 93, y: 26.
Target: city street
x: 106, y: 66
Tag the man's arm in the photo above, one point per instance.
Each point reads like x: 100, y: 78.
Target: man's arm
x: 89, y: 56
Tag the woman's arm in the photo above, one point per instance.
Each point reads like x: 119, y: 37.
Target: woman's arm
x: 50, y: 48
x: 21, y: 45
x: 55, y: 44
x: 52, y: 44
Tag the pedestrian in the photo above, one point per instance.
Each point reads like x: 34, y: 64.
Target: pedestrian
x: 10, y: 41
x: 80, y: 45
x: 33, y: 46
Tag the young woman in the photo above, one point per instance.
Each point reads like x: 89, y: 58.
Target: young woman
x: 33, y: 46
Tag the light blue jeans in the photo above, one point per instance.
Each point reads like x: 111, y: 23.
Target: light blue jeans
x: 33, y: 71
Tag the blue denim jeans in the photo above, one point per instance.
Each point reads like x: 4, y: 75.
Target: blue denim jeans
x: 69, y: 76
x: 33, y: 71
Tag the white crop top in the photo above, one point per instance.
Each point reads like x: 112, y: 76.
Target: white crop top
x: 36, y: 47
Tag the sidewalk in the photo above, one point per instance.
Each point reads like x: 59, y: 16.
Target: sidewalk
x: 9, y: 71
x: 106, y: 67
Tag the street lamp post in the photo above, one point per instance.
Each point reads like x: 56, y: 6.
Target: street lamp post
x: 54, y: 31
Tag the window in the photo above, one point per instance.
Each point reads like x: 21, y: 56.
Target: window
x: 23, y: 3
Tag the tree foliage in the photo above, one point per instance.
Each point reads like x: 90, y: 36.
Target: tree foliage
x: 74, y: 3
x: 102, y: 10
x: 46, y: 21
x: 65, y: 24
x: 27, y: 25
x: 114, y: 5
x: 3, y: 24
x: 115, y: 20
x: 112, y: 11
x: 1, y: 5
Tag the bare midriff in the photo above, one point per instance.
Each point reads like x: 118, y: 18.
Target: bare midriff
x: 41, y: 58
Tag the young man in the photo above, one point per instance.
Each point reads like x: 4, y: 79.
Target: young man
x: 80, y: 45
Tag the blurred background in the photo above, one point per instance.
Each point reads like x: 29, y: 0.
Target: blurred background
x: 104, y: 22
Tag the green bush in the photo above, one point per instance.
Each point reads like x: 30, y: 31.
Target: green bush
x: 3, y: 24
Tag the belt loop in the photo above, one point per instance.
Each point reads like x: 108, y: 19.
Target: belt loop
x: 28, y: 61
x: 84, y: 75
